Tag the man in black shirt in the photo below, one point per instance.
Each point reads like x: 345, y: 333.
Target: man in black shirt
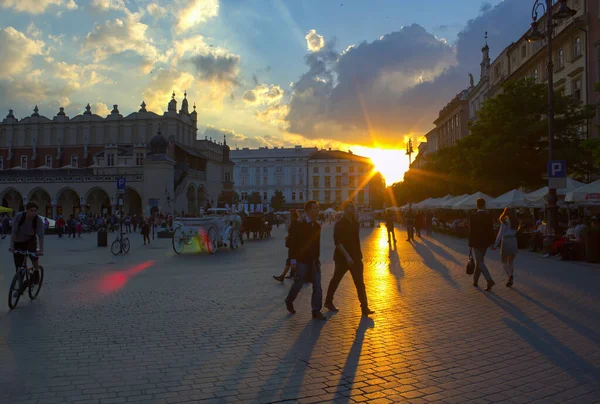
x: 306, y: 242
x: 481, y: 237
x: 347, y: 256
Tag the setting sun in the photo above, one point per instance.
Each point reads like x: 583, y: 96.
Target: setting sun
x: 391, y: 163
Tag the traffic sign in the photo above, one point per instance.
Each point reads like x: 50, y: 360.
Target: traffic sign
x: 121, y: 185
x: 557, y: 174
x: 557, y: 169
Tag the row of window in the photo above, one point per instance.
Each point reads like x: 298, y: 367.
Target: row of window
x: 338, y: 169
x: 24, y: 162
x: 265, y: 181
x: 110, y: 161
x: 267, y: 160
x: 279, y: 170
x: 351, y: 182
x: 265, y: 196
x: 316, y: 195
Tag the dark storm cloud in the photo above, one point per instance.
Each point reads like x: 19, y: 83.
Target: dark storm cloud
x: 217, y: 68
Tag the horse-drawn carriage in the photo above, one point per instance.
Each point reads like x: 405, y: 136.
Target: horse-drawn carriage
x: 211, y: 232
x: 258, y: 224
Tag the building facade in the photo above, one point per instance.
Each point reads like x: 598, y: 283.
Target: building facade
x: 452, y: 122
x: 422, y: 155
x: 593, y: 58
x: 336, y: 176
x: 266, y: 170
x: 305, y: 173
x: 69, y: 165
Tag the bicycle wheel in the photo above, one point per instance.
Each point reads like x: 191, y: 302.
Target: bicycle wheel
x: 14, y: 292
x: 115, y: 247
x: 126, y: 245
x: 34, y: 290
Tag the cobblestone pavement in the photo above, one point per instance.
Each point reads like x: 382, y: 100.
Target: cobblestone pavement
x: 152, y: 327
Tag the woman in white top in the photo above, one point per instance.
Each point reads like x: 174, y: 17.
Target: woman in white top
x: 507, y: 237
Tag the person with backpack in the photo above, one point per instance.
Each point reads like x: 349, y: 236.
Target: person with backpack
x: 27, y: 229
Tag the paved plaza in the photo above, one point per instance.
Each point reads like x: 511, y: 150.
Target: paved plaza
x: 154, y: 327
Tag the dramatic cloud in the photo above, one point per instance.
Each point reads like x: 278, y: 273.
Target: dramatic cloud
x: 263, y: 94
x: 36, y: 6
x: 120, y: 36
x: 107, y: 5
x: 100, y: 109
x: 77, y: 77
x: 314, y: 41
x: 17, y: 51
x: 195, y: 12
x: 164, y: 82
x: 156, y: 10
x: 214, y: 67
x: 380, y: 91
x: 235, y: 139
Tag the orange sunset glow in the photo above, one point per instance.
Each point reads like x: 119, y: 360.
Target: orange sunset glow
x: 391, y: 163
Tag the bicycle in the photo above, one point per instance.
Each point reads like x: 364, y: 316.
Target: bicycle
x: 120, y: 245
x: 25, y: 278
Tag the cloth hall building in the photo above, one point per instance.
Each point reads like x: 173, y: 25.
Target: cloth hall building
x: 71, y: 165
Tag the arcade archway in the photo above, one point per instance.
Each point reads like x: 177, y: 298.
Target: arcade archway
x: 98, y: 202
x: 201, y: 197
x: 43, y: 201
x: 133, y: 202
x: 68, y: 203
x: 11, y: 198
x: 191, y: 198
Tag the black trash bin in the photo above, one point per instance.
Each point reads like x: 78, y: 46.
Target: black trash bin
x: 102, y: 238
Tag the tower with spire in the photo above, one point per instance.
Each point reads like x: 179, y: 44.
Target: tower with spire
x: 184, y: 105
x: 485, y: 61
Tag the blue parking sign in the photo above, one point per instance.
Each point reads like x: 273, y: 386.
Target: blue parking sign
x: 557, y: 169
x: 121, y: 185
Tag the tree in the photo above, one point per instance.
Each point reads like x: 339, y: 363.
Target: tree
x: 277, y: 200
x: 507, y: 147
x: 254, y: 198
x: 229, y: 197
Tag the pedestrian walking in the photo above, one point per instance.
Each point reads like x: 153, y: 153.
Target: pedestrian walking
x: 481, y: 237
x: 348, y: 257
x: 409, y: 220
x: 389, y: 224
x: 419, y: 222
x: 146, y: 230
x: 429, y: 222
x: 507, y: 239
x: 308, y: 251
x: 290, y: 262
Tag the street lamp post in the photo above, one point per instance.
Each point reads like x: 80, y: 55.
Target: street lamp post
x: 409, y: 152
x: 535, y: 35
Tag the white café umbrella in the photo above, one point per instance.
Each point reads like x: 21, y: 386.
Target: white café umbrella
x: 511, y: 199
x: 471, y: 201
x: 586, y: 195
x: 439, y: 202
x: 449, y: 203
x: 422, y: 204
x: 537, y: 198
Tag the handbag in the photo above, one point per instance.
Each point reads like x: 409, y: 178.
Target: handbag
x: 470, y: 263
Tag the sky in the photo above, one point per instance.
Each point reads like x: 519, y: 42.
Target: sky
x: 347, y: 74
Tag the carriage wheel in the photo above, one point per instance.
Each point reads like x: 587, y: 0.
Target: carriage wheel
x: 234, y: 241
x: 179, y: 240
x: 211, y: 242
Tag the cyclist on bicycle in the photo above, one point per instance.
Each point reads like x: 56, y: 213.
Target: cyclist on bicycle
x: 26, y: 226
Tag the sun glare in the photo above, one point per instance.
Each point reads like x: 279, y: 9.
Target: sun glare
x: 391, y: 163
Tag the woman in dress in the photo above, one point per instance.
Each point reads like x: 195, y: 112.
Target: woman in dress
x: 507, y: 238
x: 290, y: 263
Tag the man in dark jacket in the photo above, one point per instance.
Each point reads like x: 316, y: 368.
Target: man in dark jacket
x: 348, y: 257
x: 481, y: 237
x: 307, y: 247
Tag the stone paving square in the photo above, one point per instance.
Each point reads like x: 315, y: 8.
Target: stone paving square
x: 154, y: 327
